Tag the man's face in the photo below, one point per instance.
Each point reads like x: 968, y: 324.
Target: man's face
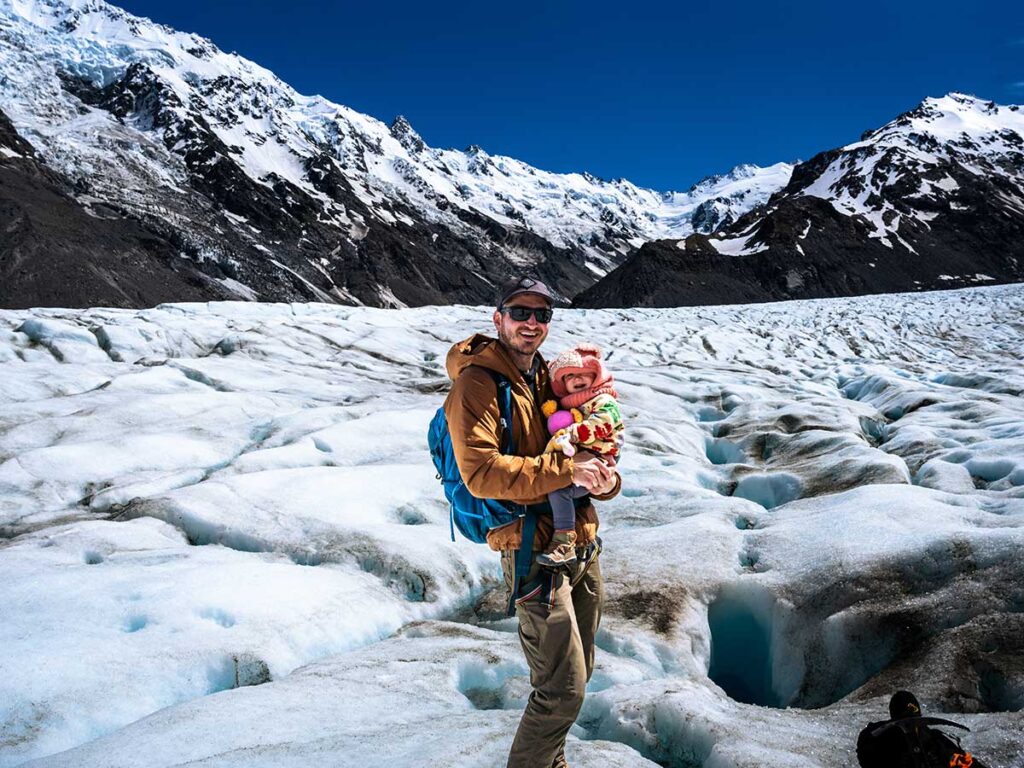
x: 523, y: 337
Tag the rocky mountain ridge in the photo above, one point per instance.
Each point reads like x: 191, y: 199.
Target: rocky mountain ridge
x: 933, y: 199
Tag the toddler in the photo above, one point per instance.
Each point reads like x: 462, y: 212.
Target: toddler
x: 589, y: 420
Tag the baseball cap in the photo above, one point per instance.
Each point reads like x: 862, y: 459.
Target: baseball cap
x: 517, y: 286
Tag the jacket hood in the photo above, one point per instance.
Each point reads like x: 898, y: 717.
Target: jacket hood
x: 483, y: 351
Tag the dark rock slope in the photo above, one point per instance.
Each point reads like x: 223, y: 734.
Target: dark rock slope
x: 58, y: 253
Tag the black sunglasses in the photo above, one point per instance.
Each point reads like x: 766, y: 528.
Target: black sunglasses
x: 522, y: 314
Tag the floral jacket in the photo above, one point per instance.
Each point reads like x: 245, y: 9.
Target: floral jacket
x: 600, y: 430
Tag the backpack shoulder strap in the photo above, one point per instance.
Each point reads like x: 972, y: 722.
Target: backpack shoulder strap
x: 504, y: 387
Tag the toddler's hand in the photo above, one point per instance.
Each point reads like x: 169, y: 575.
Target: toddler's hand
x: 564, y: 442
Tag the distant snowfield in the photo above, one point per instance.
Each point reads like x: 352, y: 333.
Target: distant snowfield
x: 223, y: 543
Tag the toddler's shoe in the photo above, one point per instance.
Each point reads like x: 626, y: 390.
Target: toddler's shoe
x: 561, y: 550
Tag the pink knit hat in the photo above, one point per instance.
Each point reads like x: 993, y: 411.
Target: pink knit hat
x: 583, y: 358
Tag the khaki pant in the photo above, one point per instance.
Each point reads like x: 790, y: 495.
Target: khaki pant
x: 558, y: 615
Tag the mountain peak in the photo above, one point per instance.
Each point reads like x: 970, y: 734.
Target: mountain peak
x: 954, y: 103
x: 406, y: 135
x: 740, y: 173
x: 966, y: 99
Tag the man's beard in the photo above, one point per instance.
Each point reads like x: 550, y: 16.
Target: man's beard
x: 518, y: 344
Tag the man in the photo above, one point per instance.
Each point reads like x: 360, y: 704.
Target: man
x: 558, y: 610
x: 906, y: 741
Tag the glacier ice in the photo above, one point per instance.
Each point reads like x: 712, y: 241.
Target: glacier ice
x: 223, y: 541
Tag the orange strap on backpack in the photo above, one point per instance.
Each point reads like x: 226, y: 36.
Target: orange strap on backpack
x: 961, y: 761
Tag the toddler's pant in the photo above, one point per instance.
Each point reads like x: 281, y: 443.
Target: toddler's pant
x: 562, y: 508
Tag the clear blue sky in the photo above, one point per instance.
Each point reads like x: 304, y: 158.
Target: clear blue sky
x: 661, y: 93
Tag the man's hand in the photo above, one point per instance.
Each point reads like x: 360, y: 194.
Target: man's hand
x: 608, y: 487
x: 593, y: 474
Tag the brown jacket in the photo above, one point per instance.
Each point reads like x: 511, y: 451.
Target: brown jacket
x: 473, y: 422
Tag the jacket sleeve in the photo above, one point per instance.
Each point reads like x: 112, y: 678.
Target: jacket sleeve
x: 947, y: 749
x: 473, y: 423
x: 867, y: 748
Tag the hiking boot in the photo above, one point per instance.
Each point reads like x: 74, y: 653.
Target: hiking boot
x: 561, y: 550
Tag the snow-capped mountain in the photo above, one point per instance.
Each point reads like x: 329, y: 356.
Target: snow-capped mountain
x: 717, y: 201
x: 933, y: 199
x: 271, y: 194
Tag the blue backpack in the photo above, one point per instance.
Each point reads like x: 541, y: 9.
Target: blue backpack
x: 472, y: 516
x: 475, y: 517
